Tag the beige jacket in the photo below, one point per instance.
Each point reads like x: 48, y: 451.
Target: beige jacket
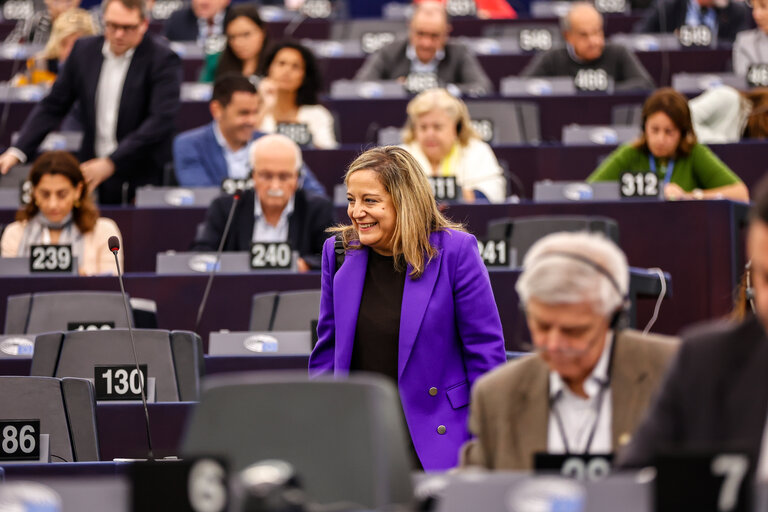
x: 509, y: 410
x: 96, y: 259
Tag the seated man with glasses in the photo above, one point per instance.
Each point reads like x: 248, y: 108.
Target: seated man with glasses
x: 127, y: 83
x: 275, y: 210
x: 589, y: 382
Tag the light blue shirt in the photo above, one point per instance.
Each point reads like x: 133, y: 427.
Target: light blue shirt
x: 695, y: 17
x: 420, y: 67
x: 265, y: 232
x: 204, y: 31
x: 238, y: 166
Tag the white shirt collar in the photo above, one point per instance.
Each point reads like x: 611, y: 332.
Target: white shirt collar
x: 222, y: 141
x: 258, y: 212
x: 410, y: 52
x: 594, y: 381
x: 106, y: 51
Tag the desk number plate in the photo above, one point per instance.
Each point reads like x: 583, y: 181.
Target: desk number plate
x: 50, y: 258
x: 20, y: 440
x: 119, y: 382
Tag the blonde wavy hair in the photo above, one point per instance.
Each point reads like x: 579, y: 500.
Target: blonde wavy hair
x: 71, y: 21
x: 433, y: 99
x: 415, y: 206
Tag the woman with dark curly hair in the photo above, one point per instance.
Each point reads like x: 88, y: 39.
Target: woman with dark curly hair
x: 290, y: 91
x: 61, y: 212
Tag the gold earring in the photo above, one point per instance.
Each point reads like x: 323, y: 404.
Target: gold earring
x: 77, y: 203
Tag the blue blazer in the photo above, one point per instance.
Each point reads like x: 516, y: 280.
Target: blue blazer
x: 199, y: 161
x: 145, y: 119
x: 450, y: 334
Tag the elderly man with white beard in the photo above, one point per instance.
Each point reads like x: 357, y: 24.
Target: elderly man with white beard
x: 275, y: 210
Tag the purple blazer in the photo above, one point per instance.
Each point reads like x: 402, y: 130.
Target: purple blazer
x: 450, y: 334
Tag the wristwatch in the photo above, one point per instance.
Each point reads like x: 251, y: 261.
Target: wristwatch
x: 697, y: 193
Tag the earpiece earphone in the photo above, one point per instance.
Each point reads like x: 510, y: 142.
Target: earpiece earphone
x: 749, y: 292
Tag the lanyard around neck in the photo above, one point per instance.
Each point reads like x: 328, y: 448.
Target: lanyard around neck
x: 593, y: 430
x: 667, y: 172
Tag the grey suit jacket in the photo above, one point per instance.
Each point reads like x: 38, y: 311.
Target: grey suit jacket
x: 459, y: 67
x: 509, y: 412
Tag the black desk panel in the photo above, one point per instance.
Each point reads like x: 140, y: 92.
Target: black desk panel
x: 555, y: 112
x: 698, y: 242
x: 551, y: 161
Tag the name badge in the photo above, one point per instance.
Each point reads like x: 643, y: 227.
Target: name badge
x: 757, y: 75
x: 18, y: 9
x: 272, y: 255
x: 20, y: 440
x: 484, y: 128
x: 417, y: 82
x: 231, y: 185
x: 318, y: 9
x: 691, y: 36
x: 190, y: 485
x: 444, y: 188
x: 495, y: 253
x: 461, y: 8
x: 120, y: 382
x: 639, y: 184
x: 611, y: 6
x: 591, y: 80
x: 582, y: 467
x: 90, y: 326
x: 535, y: 39
x: 214, y: 44
x: 297, y: 132
x: 371, y: 42
x: 163, y: 9
x: 719, y: 482
x: 50, y: 258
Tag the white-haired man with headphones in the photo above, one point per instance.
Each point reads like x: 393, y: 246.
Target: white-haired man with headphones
x: 589, y: 381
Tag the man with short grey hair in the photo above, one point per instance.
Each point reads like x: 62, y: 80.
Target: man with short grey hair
x: 275, y: 210
x: 588, y: 57
x: 589, y: 381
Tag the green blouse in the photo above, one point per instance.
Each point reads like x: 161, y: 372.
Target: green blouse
x: 700, y: 169
x: 211, y: 62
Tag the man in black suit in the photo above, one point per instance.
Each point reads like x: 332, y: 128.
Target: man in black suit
x: 715, y: 396
x: 127, y: 83
x: 428, y: 51
x: 201, y: 20
x: 276, y: 210
x: 725, y: 18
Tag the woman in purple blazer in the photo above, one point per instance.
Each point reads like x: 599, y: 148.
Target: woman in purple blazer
x: 411, y: 301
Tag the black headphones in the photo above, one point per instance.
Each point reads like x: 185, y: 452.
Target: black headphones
x: 616, y: 316
x: 749, y: 292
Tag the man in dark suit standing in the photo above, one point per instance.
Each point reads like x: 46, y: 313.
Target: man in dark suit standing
x: 275, y: 210
x: 127, y: 83
x: 715, y: 396
x: 427, y: 51
x: 199, y: 21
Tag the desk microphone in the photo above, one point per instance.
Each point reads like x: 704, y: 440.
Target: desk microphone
x: 114, y: 246
x: 235, y: 199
